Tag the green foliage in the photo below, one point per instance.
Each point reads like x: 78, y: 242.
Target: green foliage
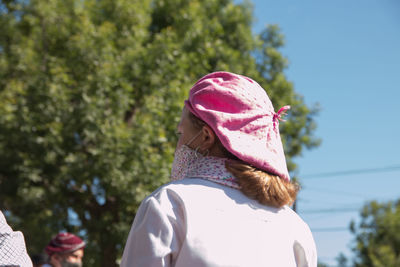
x: 341, y: 260
x: 90, y: 95
x: 377, y: 235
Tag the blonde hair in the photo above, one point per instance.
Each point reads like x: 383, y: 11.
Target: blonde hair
x: 266, y: 188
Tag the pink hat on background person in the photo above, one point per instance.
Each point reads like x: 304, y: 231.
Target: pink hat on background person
x: 242, y: 116
x: 64, y: 243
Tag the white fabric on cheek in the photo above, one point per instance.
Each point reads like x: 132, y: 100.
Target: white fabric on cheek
x: 156, y: 234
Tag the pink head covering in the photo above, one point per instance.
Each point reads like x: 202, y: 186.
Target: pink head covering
x: 63, y: 243
x: 242, y: 116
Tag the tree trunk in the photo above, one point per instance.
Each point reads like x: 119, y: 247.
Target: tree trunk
x: 109, y: 257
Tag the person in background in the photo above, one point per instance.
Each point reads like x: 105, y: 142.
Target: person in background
x: 39, y: 260
x: 228, y: 203
x: 65, y: 250
x: 12, y: 246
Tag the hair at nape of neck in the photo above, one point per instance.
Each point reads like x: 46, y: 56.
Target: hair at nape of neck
x: 266, y: 188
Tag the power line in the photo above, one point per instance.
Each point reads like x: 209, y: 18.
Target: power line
x: 333, y: 210
x: 330, y: 229
x: 352, y: 172
x: 335, y: 192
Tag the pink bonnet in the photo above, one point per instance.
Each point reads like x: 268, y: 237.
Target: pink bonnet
x: 242, y: 116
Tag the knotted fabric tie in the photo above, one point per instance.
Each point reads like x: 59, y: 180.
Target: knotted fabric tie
x: 278, y: 116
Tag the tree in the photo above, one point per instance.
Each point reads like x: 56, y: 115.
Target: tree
x: 377, y: 235
x: 90, y: 95
x: 341, y: 260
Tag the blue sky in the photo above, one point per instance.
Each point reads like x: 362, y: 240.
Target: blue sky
x: 344, y: 55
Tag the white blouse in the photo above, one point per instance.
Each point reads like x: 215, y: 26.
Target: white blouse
x: 199, y: 223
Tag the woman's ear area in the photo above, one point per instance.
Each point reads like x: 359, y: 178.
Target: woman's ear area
x: 208, y: 137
